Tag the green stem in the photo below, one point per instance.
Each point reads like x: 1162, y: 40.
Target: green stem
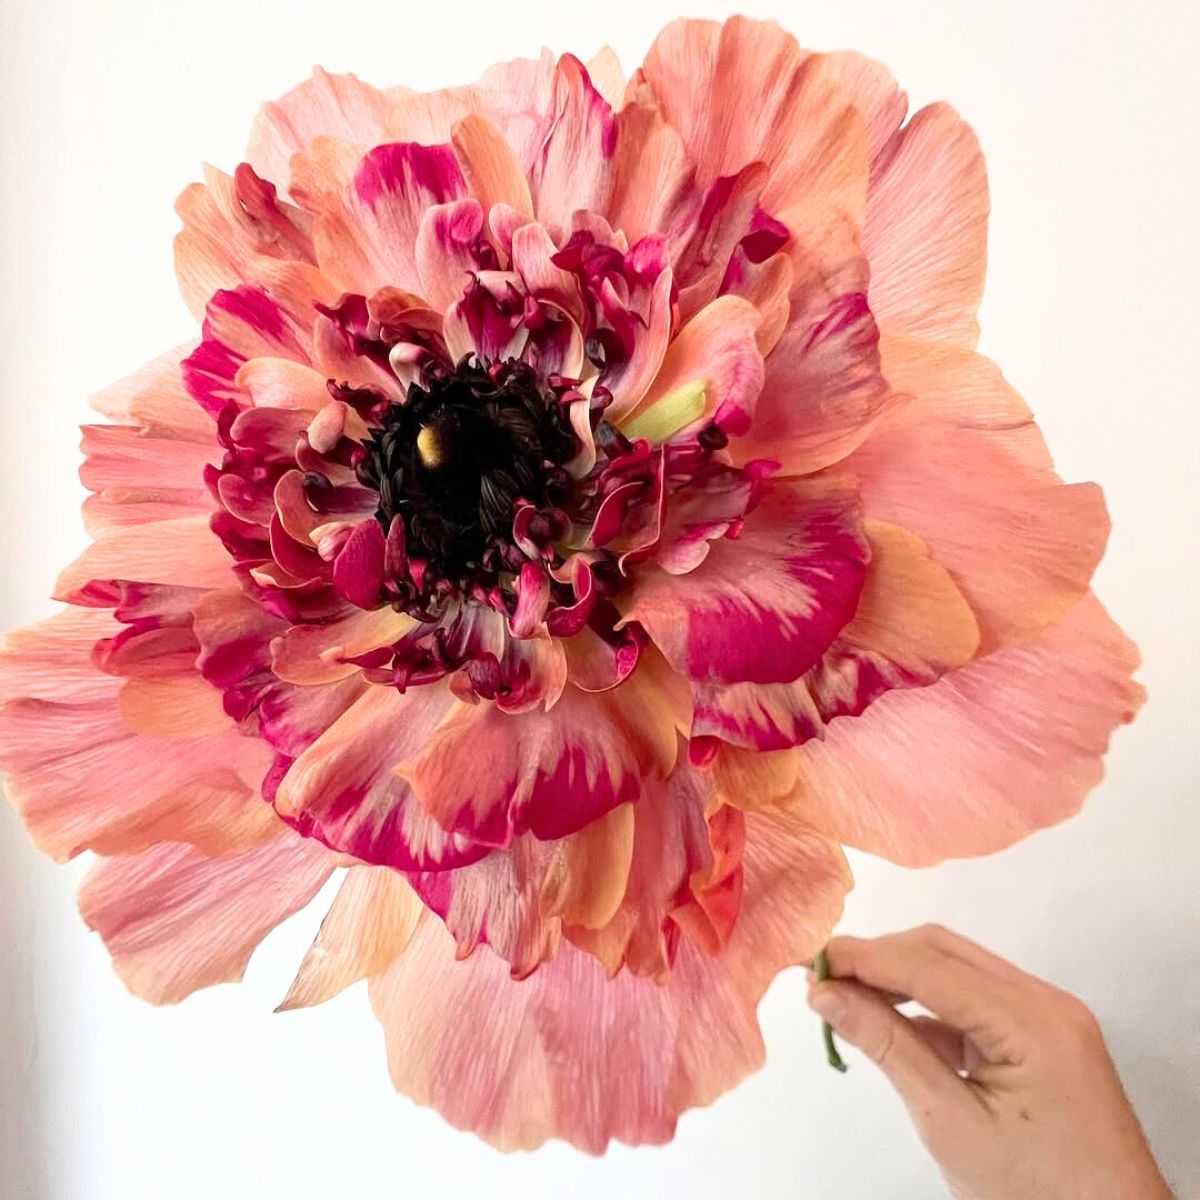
x: 821, y: 970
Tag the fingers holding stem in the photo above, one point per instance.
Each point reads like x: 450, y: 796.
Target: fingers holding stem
x: 821, y: 970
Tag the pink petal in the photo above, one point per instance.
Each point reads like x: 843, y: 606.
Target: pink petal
x: 571, y: 1053
x: 997, y: 749
x: 962, y: 465
x: 765, y: 607
x: 823, y: 392
x: 549, y: 773
x: 358, y: 568
x: 910, y: 628
x: 572, y: 170
x: 926, y: 230
x: 326, y: 105
x: 448, y: 251
x: 343, y: 790
x: 240, y: 324
x: 175, y: 921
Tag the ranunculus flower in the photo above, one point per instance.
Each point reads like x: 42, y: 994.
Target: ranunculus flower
x: 583, y: 509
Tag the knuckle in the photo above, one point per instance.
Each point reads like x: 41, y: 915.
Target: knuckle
x: 933, y: 934
x: 882, y: 1047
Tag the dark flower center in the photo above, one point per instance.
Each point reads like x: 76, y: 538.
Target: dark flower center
x: 454, y: 460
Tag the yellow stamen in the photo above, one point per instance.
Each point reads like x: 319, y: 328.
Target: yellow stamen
x: 429, y: 446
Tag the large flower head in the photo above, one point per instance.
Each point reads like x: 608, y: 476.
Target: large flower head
x: 583, y: 510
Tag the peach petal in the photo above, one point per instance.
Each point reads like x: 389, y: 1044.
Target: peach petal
x: 178, y: 706
x: 604, y: 70
x: 517, y: 900
x: 367, y: 240
x: 184, y: 552
x: 569, y: 1052
x: 654, y: 187
x: 313, y: 654
x: 997, y: 749
x: 926, y: 230
x: 792, y: 113
x: 175, y: 921
x: 371, y: 921
x: 718, y: 352
x: 492, y: 171
x: 82, y: 780
x: 154, y: 399
x: 231, y: 227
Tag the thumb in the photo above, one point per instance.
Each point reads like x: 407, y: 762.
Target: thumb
x: 861, y: 1016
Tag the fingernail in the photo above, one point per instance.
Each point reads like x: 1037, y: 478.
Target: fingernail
x: 828, y: 1003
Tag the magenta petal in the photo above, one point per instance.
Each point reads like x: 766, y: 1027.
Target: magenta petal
x: 358, y: 569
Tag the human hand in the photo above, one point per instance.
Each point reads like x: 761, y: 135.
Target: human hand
x: 1009, y: 1084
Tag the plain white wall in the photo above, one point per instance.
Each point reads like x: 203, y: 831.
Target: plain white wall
x: 1087, y: 114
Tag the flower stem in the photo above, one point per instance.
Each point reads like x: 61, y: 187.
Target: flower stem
x: 821, y: 970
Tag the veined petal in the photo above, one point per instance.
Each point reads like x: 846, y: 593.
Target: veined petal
x: 339, y: 106
x: 549, y: 773
x: 371, y: 921
x: 570, y: 1052
x: 911, y: 627
x: 764, y: 607
x: 997, y: 749
x: 175, y: 921
x: 344, y: 791
x: 926, y: 230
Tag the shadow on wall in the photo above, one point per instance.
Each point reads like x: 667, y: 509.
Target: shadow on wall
x: 22, y: 1114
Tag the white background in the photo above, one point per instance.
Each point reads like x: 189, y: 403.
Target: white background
x: 1087, y: 113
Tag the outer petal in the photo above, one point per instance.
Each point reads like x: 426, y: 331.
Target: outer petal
x: 791, y: 112
x: 997, y: 749
x: 573, y: 167
x: 765, y: 607
x: 926, y: 230
x: 368, y: 926
x: 81, y: 778
x: 549, y: 773
x: 343, y: 790
x: 184, y: 552
x: 574, y: 1054
x: 175, y: 921
x: 339, y: 106
x: 962, y: 465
